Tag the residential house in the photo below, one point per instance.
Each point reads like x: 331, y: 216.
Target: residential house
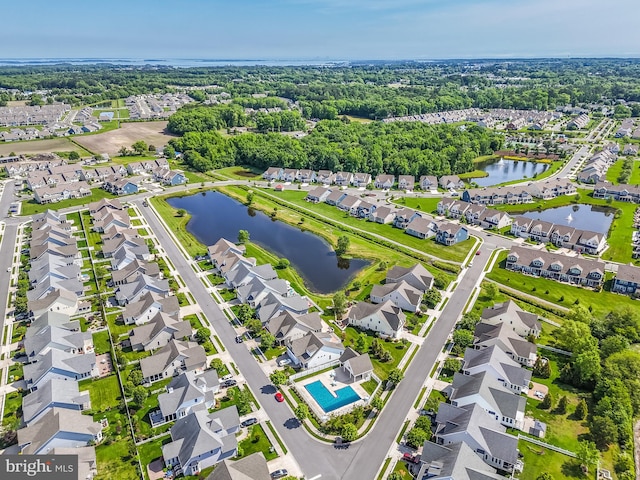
x: 490, y: 394
x: 306, y: 176
x: 255, y: 290
x: 456, y: 461
x: 385, y: 318
x: 520, y: 226
x: 428, y: 182
x: 132, y: 292
x: 422, y: 228
x: 87, y: 463
x: 335, y: 197
x: 472, y: 212
x: 130, y: 241
x: 252, y: 467
x: 201, y: 440
x: 122, y: 186
x: 222, y: 248
x: 147, y: 306
x: 60, y: 301
x: 401, y: 294
x: 499, y: 365
x: 289, y: 174
x: 350, y: 204
x: 272, y: 174
x: 314, y: 349
x: 170, y: 177
x: 360, y: 180
x: 382, y: 215
x: 627, y: 280
x: 342, y: 179
x: 325, y: 177
x: 159, y: 331
x: 522, y: 323
x: 133, y: 270
x: 417, y: 276
x: 495, y: 219
x: 105, y: 204
x: 57, y: 193
x: 404, y: 216
x: 357, y: 365
x: 450, y: 233
x: 384, y: 181
x: 622, y: 193
x: 172, y: 359
x: 119, y: 218
x: 500, y: 334
x: 58, y: 428
x: 67, y: 253
x: 406, y: 182
x: 630, y: 149
x: 317, y: 195
x: 128, y: 252
x: 479, y: 431
x: 242, y: 274
x: 273, y: 305
x: 55, y: 393
x: 541, y: 231
x: 59, y: 364
x: 288, y: 326
x: 579, y: 122
x: 574, y: 270
x: 40, y: 341
x: 186, y: 393
x: 450, y: 182
x: 365, y: 209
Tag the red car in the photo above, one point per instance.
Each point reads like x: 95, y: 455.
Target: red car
x: 478, y: 252
x: 279, y: 397
x: 410, y: 458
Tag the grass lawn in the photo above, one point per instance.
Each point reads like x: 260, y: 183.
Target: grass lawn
x: 215, y: 279
x: 428, y: 205
x: 274, y: 352
x: 141, y: 415
x: 227, y: 294
x: 178, y: 226
x: 31, y: 207
x: 104, y: 393
x: 101, y: 342
x: 257, y: 441
x: 538, y: 460
x: 193, y: 320
x: 150, y: 451
x: 116, y: 462
x: 401, y: 469
x: 433, y: 401
x: 12, y: 410
x: 381, y: 369
x: 240, y: 173
x: 559, y: 293
x: 455, y: 253
x: 614, y: 171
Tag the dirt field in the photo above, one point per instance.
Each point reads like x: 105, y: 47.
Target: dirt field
x: 110, y: 142
x: 38, y: 146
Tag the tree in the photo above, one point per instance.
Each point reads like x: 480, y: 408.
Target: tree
x: 283, y: 263
x: 135, y: 377
x: 581, y: 410
x: 491, y: 289
x: 278, y: 377
x: 541, y: 368
x: 339, y: 304
x: 361, y: 343
x: 377, y: 402
x: 140, y: 147
x: 544, y: 476
x: 123, y: 152
x: 73, y: 155
x: 181, y: 212
x: 302, y: 412
x: 562, y: 405
x: 423, y: 422
x: 243, y: 236
x: 250, y: 197
x: 244, y: 313
x: 342, y: 246
x: 451, y: 365
x: 169, y: 152
x: 462, y: 338
x: 349, y: 432
x: 587, y: 454
x: 203, y: 334
x: 267, y: 340
x: 431, y: 298
x: 254, y: 325
x: 152, y: 148
x: 575, y: 337
x: 242, y: 400
x: 469, y: 321
x: 416, y: 437
x: 219, y: 367
x: 139, y: 395
x: 547, y: 401
x: 395, y: 376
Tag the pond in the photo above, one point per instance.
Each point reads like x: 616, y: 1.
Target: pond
x: 580, y: 216
x: 215, y: 215
x: 501, y: 170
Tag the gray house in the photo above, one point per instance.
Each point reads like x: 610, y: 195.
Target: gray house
x: 499, y: 365
x: 252, y: 467
x: 200, y: 440
x: 132, y: 292
x: 59, y: 364
x: 143, y: 310
x: 417, y: 276
x: 172, y: 359
x: 161, y: 329
x: 56, y: 393
x: 288, y: 326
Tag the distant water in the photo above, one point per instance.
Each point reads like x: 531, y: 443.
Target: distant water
x: 170, y: 62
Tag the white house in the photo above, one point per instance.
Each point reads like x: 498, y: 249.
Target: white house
x: 384, y: 318
x: 314, y: 349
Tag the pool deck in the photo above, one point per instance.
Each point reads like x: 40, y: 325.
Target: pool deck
x: 331, y: 383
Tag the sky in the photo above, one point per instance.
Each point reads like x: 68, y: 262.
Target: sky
x: 319, y: 29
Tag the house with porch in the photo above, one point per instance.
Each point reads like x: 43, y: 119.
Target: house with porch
x: 174, y: 358
x: 357, y: 365
x: 386, y: 319
x: 314, y: 349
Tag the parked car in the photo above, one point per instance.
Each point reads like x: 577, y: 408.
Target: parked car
x: 239, y: 339
x: 279, y: 397
x: 478, y: 252
x: 249, y: 421
x: 228, y: 376
x: 280, y: 473
x: 229, y: 383
x: 284, y: 361
x: 408, y: 457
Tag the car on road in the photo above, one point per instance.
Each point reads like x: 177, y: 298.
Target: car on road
x: 145, y: 204
x: 8, y: 269
x: 408, y: 457
x: 280, y: 473
x: 471, y: 264
x: 229, y: 383
x: 249, y: 421
x: 279, y: 397
x: 239, y: 339
x: 478, y: 252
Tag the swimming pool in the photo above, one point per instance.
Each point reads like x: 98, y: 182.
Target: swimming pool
x: 327, y: 401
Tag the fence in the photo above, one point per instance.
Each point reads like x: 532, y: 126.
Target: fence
x: 554, y: 349
x: 310, y: 371
x: 540, y: 443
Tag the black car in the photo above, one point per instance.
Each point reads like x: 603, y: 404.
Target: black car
x: 239, y: 339
x: 279, y: 473
x: 228, y: 383
x: 249, y: 421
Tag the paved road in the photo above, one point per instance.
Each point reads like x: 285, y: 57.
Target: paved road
x: 575, y: 159
x: 7, y: 248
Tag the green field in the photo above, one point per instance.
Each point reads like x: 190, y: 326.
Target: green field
x: 381, y: 369
x: 239, y: 173
x: 104, y: 393
x: 101, y: 342
x: 257, y: 441
x: 31, y: 207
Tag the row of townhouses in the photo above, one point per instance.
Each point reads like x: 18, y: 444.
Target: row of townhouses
x: 582, y: 241
x: 360, y: 180
x: 59, y: 353
x: 595, y: 167
x: 474, y: 214
x: 32, y: 115
x: 470, y: 438
x: 412, y: 222
x: 519, y: 194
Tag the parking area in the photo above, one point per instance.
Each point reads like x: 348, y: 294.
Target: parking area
x: 538, y: 391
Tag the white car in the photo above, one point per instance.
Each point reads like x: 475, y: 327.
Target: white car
x: 283, y: 362
x: 539, y: 394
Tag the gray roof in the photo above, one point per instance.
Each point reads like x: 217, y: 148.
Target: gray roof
x: 412, y: 294
x: 307, y: 346
x: 142, y: 284
x: 51, y: 283
x: 495, y: 356
x: 168, y: 305
x: 628, y: 273
x: 187, y: 387
x: 481, y: 426
x: 257, y: 286
x: 272, y: 304
x: 87, y: 464
x: 46, y: 301
x: 280, y: 326
x: 510, y: 311
x: 53, y: 422
x: 54, y: 392
x: 491, y: 390
x: 417, y: 276
x: 526, y: 256
x: 35, y: 341
x: 57, y: 359
x: 456, y: 461
x: 144, y: 334
x: 252, y: 467
x: 393, y: 315
x: 487, y: 334
x: 54, y: 319
x: 360, y: 363
x: 200, y: 432
x: 134, y: 268
x: 193, y: 354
